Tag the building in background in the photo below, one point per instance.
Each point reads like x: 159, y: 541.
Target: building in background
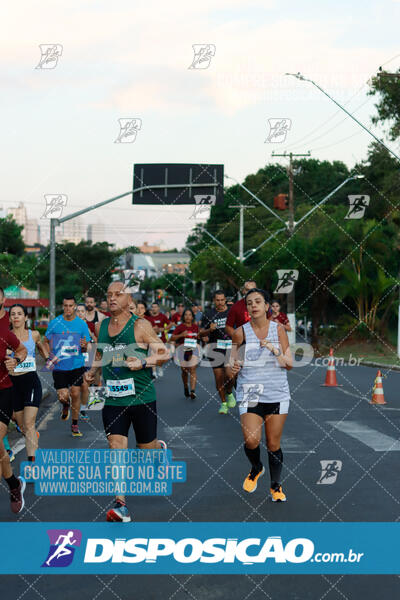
x: 96, y: 232
x: 156, y: 264
x: 73, y: 231
x: 146, y: 248
x: 31, y: 231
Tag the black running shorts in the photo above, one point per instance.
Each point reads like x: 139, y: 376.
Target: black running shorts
x: 143, y: 418
x: 26, y: 390
x: 65, y: 379
x: 6, y: 407
x: 263, y: 409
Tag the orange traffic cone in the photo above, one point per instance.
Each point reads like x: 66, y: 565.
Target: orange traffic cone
x: 378, y: 396
x: 330, y: 379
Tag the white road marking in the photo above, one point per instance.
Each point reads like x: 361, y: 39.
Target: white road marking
x: 378, y: 441
x: 310, y: 409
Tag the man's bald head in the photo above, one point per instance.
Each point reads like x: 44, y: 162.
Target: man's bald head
x: 118, y: 299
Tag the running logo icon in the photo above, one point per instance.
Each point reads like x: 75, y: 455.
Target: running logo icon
x: 62, y: 547
x: 50, y: 53
x: 357, y: 207
x: 203, y: 54
x: 133, y: 279
x: 54, y: 205
x: 287, y: 279
x: 251, y: 394
x: 278, y: 130
x: 203, y: 205
x: 329, y: 471
x: 128, y: 129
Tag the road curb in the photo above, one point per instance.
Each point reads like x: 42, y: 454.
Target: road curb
x: 379, y: 365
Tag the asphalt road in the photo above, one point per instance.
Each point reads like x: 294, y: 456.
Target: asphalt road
x: 331, y: 424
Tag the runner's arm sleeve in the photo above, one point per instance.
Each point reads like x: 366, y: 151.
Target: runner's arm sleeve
x: 12, y: 341
x: 231, y: 318
x: 178, y: 329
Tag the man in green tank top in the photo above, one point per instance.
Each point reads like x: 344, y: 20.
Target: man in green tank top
x: 123, y: 345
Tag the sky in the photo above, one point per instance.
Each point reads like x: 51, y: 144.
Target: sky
x: 131, y: 60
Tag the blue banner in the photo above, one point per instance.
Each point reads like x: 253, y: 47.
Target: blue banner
x: 206, y: 548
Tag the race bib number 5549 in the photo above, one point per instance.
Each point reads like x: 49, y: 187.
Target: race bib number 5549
x: 118, y: 388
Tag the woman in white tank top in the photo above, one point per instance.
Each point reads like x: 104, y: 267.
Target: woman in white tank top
x: 260, y: 359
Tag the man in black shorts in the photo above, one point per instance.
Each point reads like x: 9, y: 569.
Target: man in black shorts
x: 66, y: 340
x: 218, y: 349
x: 129, y: 348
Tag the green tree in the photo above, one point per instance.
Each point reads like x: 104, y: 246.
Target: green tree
x: 388, y: 105
x: 10, y: 237
x: 81, y: 268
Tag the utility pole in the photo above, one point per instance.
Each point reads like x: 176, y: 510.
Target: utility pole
x: 241, y: 208
x: 291, y: 299
x: 203, y: 293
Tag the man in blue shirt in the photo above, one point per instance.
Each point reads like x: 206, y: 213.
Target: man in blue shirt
x: 66, y: 339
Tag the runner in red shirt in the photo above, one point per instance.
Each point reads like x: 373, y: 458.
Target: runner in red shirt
x: 9, y: 341
x: 104, y: 309
x: 160, y: 324
x: 185, y: 337
x: 238, y: 314
x: 177, y: 316
x: 158, y: 321
x: 278, y: 316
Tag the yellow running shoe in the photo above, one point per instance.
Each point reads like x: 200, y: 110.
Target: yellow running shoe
x: 250, y: 483
x: 277, y: 495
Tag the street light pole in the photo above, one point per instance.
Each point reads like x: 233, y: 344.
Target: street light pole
x: 52, y: 283
x: 302, y: 78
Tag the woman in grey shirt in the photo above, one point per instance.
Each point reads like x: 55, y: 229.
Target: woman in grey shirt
x: 261, y: 356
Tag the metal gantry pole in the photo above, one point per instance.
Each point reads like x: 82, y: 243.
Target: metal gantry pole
x: 55, y: 222
x: 52, y: 282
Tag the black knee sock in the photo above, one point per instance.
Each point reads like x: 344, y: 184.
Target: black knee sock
x: 275, y: 459
x: 253, y: 454
x: 12, y: 482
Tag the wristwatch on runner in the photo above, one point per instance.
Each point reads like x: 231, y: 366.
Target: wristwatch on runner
x: 144, y: 363
x: 18, y: 360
